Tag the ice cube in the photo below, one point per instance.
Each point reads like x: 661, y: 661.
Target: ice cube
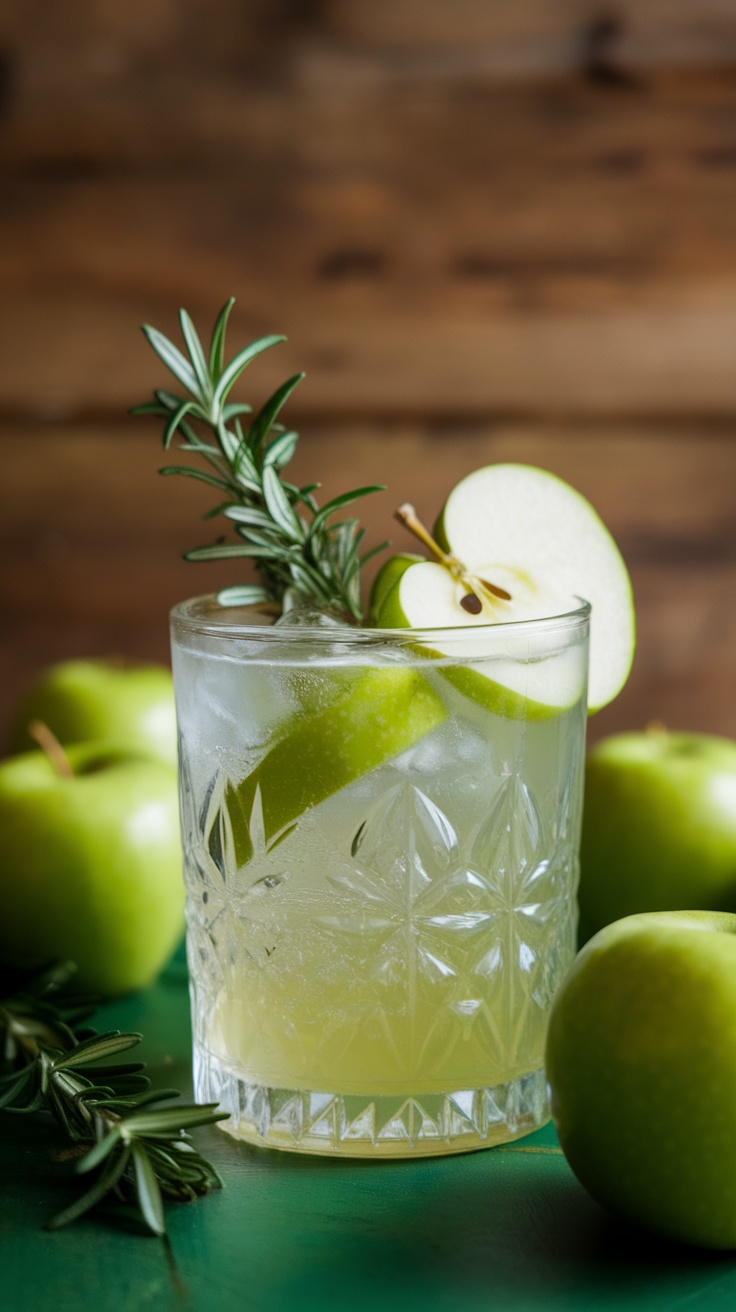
x: 308, y: 615
x: 459, y: 768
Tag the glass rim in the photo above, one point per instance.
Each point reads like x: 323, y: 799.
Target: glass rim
x: 183, y: 613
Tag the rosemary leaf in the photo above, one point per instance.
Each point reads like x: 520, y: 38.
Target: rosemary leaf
x: 218, y: 552
x: 278, y: 506
x: 242, y: 596
x: 147, y: 1189
x: 217, y: 345
x: 175, y: 421
x: 280, y: 450
x: 338, y: 502
x: 266, y: 417
x: 173, y: 359
x: 249, y: 515
x: 102, y: 1045
x: 138, y: 1099
x: 239, y: 362
x: 170, y: 1119
x: 99, y: 1152
x: 196, y: 354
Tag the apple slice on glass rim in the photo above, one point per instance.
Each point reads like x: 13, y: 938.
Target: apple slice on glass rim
x: 516, y: 543
x: 515, y: 685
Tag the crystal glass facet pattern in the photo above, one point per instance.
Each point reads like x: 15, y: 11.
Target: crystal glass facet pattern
x: 381, y: 863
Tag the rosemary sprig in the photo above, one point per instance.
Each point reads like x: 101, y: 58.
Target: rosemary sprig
x: 299, y: 554
x: 132, y: 1151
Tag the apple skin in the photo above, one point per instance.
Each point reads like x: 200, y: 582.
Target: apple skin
x: 659, y: 826
x: 530, y: 519
x: 381, y: 713
x: 641, y: 1062
x: 388, y: 575
x: 90, y: 866
x: 88, y: 700
x: 478, y: 686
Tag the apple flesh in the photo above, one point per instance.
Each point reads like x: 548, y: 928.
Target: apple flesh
x: 525, y: 525
x: 426, y: 596
x: 659, y: 826
x: 90, y: 866
x: 641, y: 1062
x: 88, y: 700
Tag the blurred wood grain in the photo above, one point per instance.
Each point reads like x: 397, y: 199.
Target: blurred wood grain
x: 531, y: 36
x: 431, y: 239
x: 491, y: 230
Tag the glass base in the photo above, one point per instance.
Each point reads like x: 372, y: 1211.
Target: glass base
x: 364, y: 1125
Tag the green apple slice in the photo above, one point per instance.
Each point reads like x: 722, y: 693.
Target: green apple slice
x: 516, y: 520
x: 383, y: 712
x: 387, y: 576
x: 427, y: 596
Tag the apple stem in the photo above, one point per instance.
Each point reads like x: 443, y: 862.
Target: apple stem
x: 407, y: 516
x: 51, y: 747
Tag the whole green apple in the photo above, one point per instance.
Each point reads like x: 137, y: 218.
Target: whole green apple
x: 85, y: 700
x: 90, y: 865
x: 641, y: 1062
x: 659, y: 826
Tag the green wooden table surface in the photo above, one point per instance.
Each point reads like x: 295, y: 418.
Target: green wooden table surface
x: 509, y: 1228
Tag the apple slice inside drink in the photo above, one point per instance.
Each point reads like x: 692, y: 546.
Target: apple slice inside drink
x: 517, y: 543
x: 379, y: 713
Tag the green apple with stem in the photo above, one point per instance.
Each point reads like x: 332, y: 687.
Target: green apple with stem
x: 84, y: 700
x: 516, y: 543
x: 641, y: 1062
x: 90, y: 863
x: 659, y: 825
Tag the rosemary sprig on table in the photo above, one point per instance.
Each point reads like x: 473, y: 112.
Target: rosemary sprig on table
x: 133, y: 1152
x: 299, y: 554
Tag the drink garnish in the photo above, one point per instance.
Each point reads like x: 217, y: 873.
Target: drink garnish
x: 299, y: 553
x: 127, y: 1150
x: 471, y: 602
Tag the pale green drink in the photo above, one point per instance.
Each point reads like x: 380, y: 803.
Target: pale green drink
x: 381, y: 874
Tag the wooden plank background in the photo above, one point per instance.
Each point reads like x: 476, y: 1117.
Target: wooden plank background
x: 490, y: 230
